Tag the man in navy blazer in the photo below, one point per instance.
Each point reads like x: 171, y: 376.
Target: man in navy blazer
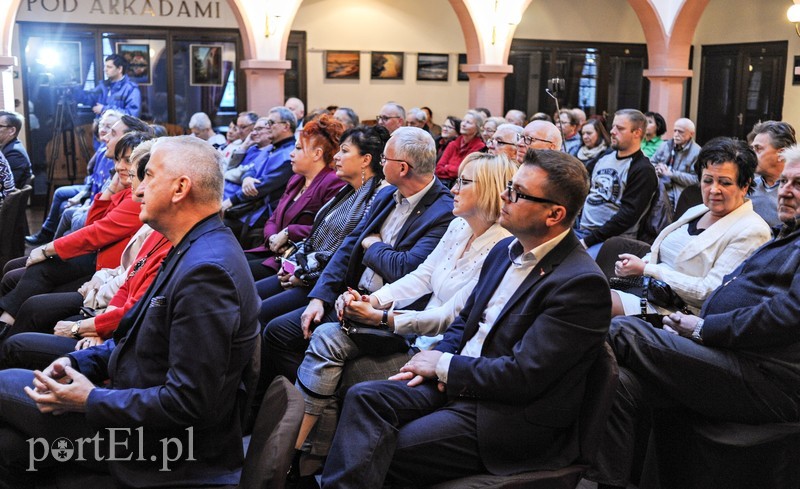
x: 502, y: 390
x: 12, y: 148
x: 404, y: 224
x: 175, y: 363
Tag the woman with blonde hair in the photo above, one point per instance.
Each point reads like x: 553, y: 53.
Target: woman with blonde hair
x: 468, y: 141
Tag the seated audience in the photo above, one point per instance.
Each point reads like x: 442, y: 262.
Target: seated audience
x: 538, y: 134
x: 392, y: 117
x: 468, y: 141
x: 6, y: 179
x: 769, y: 139
x: 346, y: 116
x: 490, y: 125
x: 502, y: 391
x: 504, y: 141
x: 244, y: 124
x: 404, y: 224
x: 570, y: 130
x: 434, y: 129
x: 448, y: 275
x: 313, y: 184
x: 201, y: 127
x: 12, y: 148
x: 160, y: 378
x: 253, y: 150
x: 516, y: 117
x: 298, y: 108
x: 596, y: 141
x: 674, y: 161
x: 693, y: 254
x: 623, y: 183
x: 656, y: 127
x: 451, y: 127
x: 736, y: 361
x: 416, y: 117
x: 69, y: 261
x: 541, y: 116
x: 27, y: 347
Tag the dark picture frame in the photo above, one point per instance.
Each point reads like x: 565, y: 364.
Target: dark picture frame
x: 462, y: 60
x: 342, y: 65
x: 138, y: 57
x: 387, y: 65
x: 433, y: 67
x: 206, y: 65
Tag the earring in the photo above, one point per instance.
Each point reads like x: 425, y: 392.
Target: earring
x: 363, y: 176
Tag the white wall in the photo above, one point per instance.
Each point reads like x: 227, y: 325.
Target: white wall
x: 581, y: 20
x: 740, y: 21
x: 409, y: 26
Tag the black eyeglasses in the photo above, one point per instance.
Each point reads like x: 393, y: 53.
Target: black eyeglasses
x: 384, y: 159
x: 460, y: 181
x: 514, y: 196
x: 498, y: 142
x: 271, y: 123
x: 528, y: 140
x: 384, y: 118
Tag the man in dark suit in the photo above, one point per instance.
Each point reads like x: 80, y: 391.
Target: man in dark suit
x: 14, y: 151
x: 739, y: 360
x: 405, y: 223
x: 175, y: 362
x: 502, y: 390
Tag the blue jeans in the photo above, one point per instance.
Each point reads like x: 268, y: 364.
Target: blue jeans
x: 60, y: 198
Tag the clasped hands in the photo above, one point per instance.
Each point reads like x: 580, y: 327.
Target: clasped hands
x: 60, y: 388
x: 629, y: 266
x: 360, y: 308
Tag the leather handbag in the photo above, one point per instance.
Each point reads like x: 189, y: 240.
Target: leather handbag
x: 374, y: 341
x: 656, y: 291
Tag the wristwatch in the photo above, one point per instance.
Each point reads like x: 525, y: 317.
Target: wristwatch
x: 75, y: 328
x: 385, y: 319
x: 698, y: 329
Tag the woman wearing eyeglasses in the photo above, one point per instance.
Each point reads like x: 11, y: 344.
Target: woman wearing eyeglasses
x: 469, y: 141
x: 449, y: 274
x: 450, y: 130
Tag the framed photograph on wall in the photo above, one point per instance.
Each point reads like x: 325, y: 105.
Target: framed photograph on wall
x: 462, y: 60
x: 63, y: 61
x: 387, y: 66
x: 138, y: 57
x: 206, y: 62
x: 433, y: 67
x: 342, y: 65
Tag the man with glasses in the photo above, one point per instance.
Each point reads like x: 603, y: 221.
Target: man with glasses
x: 392, y: 117
x: 538, y: 135
x: 242, y: 159
x: 502, y: 390
x: 244, y: 124
x: 12, y: 148
x: 264, y: 183
x: 623, y: 185
x: 504, y: 141
x: 405, y: 223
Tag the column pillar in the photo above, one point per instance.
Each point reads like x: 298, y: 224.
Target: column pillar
x: 666, y: 92
x: 7, y: 64
x: 486, y: 85
x: 264, y: 83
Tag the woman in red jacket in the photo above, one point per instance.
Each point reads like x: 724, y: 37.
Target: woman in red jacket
x: 70, y: 260
x: 468, y: 142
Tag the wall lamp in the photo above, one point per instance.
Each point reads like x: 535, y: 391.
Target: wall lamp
x: 793, y: 14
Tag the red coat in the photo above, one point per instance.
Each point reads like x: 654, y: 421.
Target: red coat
x: 155, y: 248
x: 298, y: 216
x: 109, y: 226
x: 454, y: 154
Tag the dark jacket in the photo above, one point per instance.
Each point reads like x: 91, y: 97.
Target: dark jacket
x: 19, y: 161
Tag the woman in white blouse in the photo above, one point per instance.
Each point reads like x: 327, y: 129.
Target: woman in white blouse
x: 710, y: 240
x: 449, y: 274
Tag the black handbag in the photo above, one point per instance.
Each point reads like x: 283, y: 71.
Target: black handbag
x: 374, y: 341
x: 656, y: 291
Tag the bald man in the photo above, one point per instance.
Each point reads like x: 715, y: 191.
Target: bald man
x: 538, y: 135
x: 504, y: 141
x: 674, y: 160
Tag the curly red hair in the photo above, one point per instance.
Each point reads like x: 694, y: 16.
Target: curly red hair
x: 324, y: 132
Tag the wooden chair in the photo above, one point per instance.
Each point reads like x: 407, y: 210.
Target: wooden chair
x: 13, y: 224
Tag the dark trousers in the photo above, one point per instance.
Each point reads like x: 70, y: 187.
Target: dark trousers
x: 255, y: 260
x: 40, y: 313
x: 277, y: 301
x: 411, y: 435
x: 55, y: 275
x: 659, y: 370
x: 34, y: 351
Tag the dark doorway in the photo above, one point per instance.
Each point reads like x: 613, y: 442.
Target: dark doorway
x: 740, y: 85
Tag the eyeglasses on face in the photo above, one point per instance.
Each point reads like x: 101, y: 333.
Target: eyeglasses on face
x: 245, y: 126
x: 460, y: 181
x: 271, y: 123
x: 384, y: 159
x: 528, y: 140
x: 498, y: 142
x: 384, y: 118
x: 514, y: 195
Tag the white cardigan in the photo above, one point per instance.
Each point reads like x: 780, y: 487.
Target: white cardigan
x: 711, y: 255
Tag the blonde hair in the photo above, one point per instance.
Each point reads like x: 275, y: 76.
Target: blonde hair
x: 492, y: 173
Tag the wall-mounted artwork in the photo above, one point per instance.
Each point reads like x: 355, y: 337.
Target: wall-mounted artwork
x: 462, y: 60
x: 138, y: 57
x: 434, y: 67
x: 387, y: 66
x: 342, y: 65
x: 206, y: 65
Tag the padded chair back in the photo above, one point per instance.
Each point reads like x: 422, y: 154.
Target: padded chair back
x: 613, y: 247
x: 689, y: 198
x: 13, y: 224
x: 601, y: 387
x: 272, y: 442
x: 250, y: 385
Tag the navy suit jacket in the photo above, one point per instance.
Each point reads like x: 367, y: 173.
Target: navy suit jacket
x: 178, y: 363
x: 19, y: 161
x: 530, y: 378
x: 417, y: 238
